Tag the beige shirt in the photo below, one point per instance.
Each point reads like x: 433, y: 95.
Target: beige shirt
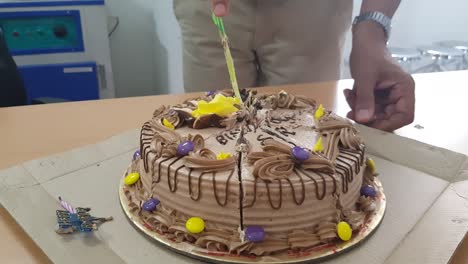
x: 272, y: 42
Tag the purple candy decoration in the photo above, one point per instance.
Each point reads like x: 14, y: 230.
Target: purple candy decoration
x: 136, y: 155
x: 255, y: 233
x: 211, y: 93
x: 368, y: 191
x: 185, y: 147
x: 300, y: 154
x: 150, y: 205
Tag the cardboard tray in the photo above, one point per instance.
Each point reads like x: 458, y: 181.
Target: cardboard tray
x: 426, y: 217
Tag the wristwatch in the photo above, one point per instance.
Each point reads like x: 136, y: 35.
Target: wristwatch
x: 380, y: 18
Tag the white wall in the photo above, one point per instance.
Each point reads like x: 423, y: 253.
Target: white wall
x: 146, y: 48
x: 147, y: 55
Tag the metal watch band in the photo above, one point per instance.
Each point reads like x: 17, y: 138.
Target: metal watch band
x: 377, y: 17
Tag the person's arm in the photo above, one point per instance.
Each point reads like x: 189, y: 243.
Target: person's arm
x: 388, y: 7
x: 383, y: 94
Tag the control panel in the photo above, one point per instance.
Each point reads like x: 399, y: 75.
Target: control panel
x: 35, y: 32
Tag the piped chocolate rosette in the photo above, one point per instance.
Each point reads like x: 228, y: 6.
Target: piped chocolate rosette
x: 275, y: 173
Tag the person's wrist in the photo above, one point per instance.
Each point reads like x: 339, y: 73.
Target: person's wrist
x: 369, y: 32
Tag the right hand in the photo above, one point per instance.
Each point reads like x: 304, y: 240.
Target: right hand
x: 220, y: 7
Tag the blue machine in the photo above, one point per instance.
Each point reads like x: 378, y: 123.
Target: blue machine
x: 60, y: 47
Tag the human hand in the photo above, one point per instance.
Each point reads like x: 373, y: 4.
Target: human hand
x: 220, y: 7
x: 383, y: 94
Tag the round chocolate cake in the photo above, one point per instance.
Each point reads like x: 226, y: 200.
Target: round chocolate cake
x: 272, y: 173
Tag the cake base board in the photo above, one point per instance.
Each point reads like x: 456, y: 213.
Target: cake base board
x: 318, y: 253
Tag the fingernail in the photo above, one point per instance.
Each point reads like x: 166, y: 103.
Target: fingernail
x: 219, y: 9
x: 363, y: 115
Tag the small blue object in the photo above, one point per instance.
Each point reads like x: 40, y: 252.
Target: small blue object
x: 300, y: 154
x: 82, y: 221
x: 75, y: 220
x: 46, y: 3
x: 185, y: 148
x: 150, y: 205
x: 136, y: 155
x: 368, y: 191
x: 255, y: 233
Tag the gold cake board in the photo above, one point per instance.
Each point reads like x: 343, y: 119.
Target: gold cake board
x: 318, y: 253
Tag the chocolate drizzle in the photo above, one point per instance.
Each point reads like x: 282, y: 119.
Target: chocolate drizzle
x: 293, y: 191
x: 226, y: 189
x: 278, y: 206
x: 272, y: 133
x: 324, y: 185
x: 173, y: 186
x: 262, y: 139
x: 154, y: 138
x: 159, y: 168
x: 196, y: 198
x: 298, y: 201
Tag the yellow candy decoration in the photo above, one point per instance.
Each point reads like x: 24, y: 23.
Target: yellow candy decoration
x: 371, y: 165
x: 131, y: 178
x: 319, y: 146
x: 168, y: 124
x: 195, y: 225
x: 220, y: 105
x: 223, y: 156
x: 319, y: 112
x: 344, y: 231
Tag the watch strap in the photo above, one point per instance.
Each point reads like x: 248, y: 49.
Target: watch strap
x: 380, y: 18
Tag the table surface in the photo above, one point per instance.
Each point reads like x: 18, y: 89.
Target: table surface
x: 31, y: 132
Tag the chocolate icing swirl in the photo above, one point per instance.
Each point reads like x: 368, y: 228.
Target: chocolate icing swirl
x: 269, y: 246
x: 318, y: 163
x: 349, y: 138
x: 276, y: 162
x: 204, y: 159
x: 366, y: 204
x: 198, y: 162
x: 159, y: 111
x: 286, y: 100
x: 302, y: 239
x: 274, y: 168
x: 354, y: 218
x: 197, y: 140
x: 161, y: 141
x: 173, y: 117
x: 216, y: 240
x: 180, y: 232
x: 327, y: 231
x: 168, y: 151
x: 332, y: 122
x: 154, y: 138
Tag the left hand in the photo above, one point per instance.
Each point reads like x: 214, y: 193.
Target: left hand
x: 383, y: 94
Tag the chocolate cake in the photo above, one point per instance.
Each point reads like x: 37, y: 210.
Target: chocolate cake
x: 269, y: 174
